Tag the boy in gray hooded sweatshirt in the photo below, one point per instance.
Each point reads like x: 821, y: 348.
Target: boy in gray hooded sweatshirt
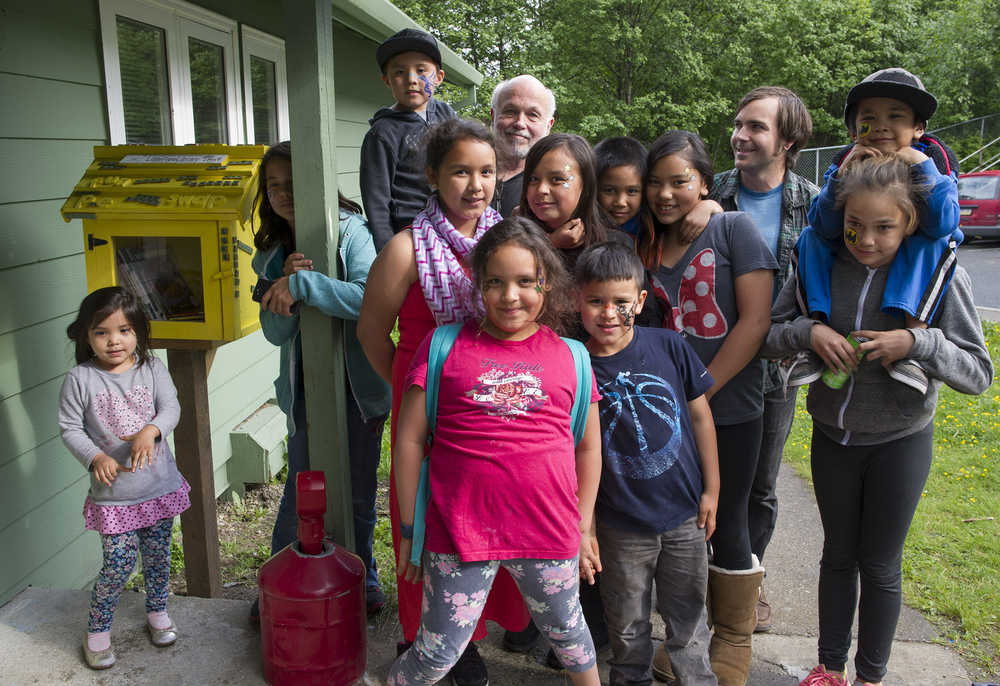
x: 394, y: 184
x: 872, y: 438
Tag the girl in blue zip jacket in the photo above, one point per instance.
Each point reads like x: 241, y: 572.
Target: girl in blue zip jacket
x: 872, y: 438
x: 293, y: 283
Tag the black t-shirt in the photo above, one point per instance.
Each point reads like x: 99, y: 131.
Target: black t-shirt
x: 651, y: 480
x: 507, y: 195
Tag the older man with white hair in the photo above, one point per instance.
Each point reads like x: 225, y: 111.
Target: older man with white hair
x: 522, y: 111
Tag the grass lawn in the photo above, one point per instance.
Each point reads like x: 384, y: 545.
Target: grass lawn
x: 951, y: 562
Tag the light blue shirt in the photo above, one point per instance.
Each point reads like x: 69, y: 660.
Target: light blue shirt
x: 765, y: 211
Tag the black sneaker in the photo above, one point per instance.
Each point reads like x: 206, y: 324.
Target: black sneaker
x: 521, y: 641
x: 470, y: 670
x: 374, y: 600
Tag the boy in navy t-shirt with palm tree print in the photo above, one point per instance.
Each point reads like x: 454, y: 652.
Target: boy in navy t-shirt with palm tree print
x: 660, y: 480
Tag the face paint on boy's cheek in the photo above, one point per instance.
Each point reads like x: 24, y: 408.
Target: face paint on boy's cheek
x: 627, y: 313
x: 428, y: 85
x: 851, y: 236
x: 864, y: 130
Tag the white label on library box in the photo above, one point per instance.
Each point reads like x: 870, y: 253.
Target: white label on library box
x: 174, y: 159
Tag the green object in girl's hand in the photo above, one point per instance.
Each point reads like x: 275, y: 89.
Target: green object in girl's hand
x: 835, y: 378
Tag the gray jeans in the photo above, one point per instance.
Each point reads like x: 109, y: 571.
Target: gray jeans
x: 678, y: 561
x: 762, y: 511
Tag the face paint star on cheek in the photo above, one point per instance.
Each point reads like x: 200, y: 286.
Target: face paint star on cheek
x: 428, y: 85
x: 569, y: 176
x: 851, y: 236
x: 690, y: 175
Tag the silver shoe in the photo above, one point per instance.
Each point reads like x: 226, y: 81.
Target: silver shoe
x: 98, y: 659
x: 161, y: 638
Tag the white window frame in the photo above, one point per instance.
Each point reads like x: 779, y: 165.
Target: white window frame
x: 256, y: 43
x: 178, y: 20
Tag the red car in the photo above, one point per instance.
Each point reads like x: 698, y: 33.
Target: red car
x: 979, y: 200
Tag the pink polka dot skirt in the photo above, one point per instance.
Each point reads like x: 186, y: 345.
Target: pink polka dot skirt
x: 117, y: 519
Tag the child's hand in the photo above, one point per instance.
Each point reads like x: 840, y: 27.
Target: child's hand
x: 887, y: 346
x: 859, y: 152
x: 278, y: 298
x: 143, y: 445
x: 105, y: 468
x: 567, y: 236
x: 295, y: 262
x: 836, y: 352
x: 697, y: 219
x: 590, y: 557
x: 706, y: 513
x: 911, y: 155
x: 405, y: 568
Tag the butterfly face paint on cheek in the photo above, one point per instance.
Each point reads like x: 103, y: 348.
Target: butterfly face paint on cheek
x: 851, y: 236
x: 428, y: 85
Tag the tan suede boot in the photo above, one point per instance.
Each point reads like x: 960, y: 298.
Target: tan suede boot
x: 662, y: 669
x: 734, y: 613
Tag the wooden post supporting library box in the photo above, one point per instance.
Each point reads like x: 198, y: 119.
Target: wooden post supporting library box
x: 172, y: 224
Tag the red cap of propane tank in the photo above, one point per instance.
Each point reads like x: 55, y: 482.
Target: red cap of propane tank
x: 310, y: 504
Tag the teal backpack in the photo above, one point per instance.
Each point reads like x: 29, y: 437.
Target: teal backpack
x: 442, y: 341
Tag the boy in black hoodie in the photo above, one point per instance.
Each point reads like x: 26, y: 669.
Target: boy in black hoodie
x: 394, y: 184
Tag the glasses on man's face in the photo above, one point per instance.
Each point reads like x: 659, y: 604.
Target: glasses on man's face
x: 277, y: 188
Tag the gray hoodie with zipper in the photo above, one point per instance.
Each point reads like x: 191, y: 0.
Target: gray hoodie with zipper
x: 872, y: 407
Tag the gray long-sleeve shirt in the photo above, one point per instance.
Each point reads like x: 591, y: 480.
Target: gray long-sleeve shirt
x: 871, y: 407
x: 97, y: 408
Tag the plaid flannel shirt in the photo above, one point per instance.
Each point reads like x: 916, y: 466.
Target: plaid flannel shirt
x: 796, y: 195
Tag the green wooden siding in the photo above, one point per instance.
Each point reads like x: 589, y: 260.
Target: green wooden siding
x: 52, y: 113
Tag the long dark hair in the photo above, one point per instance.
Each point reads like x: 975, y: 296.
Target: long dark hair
x: 692, y: 147
x: 557, y: 306
x: 596, y: 222
x: 100, y: 305
x: 274, y: 229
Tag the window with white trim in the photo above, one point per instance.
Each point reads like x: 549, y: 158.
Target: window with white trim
x: 173, y: 76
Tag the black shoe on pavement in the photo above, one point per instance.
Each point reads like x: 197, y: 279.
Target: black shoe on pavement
x: 521, y: 641
x: 470, y: 670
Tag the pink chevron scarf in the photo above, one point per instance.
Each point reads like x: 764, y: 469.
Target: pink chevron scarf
x: 440, y: 249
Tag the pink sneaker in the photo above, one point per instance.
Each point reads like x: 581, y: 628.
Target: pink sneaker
x: 820, y: 677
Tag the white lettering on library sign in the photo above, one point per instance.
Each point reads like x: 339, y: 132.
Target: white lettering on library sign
x: 174, y: 159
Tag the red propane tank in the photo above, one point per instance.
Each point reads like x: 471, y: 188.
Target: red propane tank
x: 312, y: 602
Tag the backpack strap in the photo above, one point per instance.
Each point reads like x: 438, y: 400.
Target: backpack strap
x: 442, y: 341
x: 581, y: 401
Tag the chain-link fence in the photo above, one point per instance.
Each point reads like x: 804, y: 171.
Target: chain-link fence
x: 971, y: 140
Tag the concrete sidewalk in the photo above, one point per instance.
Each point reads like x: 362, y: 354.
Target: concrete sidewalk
x: 41, y: 631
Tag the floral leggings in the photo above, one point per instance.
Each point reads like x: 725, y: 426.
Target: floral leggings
x: 454, y: 595
x: 120, y: 553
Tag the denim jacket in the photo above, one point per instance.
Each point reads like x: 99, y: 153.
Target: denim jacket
x: 336, y: 298
x: 797, y: 194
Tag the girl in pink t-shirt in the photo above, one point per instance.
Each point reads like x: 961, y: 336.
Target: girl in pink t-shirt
x: 508, y: 487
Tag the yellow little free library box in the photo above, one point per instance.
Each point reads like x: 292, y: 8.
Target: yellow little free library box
x: 173, y: 225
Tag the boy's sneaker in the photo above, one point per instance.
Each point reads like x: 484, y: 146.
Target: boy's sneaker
x: 374, y: 600
x: 470, y: 670
x: 521, y: 641
x: 820, y: 677
x: 802, y: 369
x: 909, y: 372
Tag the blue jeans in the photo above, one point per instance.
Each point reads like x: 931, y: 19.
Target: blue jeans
x: 678, y: 561
x: 779, y: 412
x: 364, y: 441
